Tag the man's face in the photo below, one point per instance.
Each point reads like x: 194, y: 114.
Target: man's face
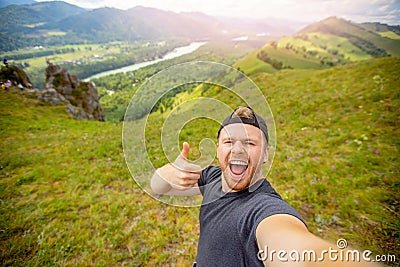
x: 241, y: 152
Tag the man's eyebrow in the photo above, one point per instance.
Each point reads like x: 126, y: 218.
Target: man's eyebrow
x: 241, y: 139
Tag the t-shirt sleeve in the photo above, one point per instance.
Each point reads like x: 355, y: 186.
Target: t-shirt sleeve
x: 203, y: 175
x: 208, y: 175
x: 277, y: 206
x: 265, y: 205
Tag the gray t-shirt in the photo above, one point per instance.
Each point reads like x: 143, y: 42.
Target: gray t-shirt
x: 228, y: 221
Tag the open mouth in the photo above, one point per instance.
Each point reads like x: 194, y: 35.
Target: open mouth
x: 238, y: 168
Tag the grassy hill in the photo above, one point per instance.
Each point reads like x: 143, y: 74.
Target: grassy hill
x: 369, y: 41
x: 382, y: 29
x: 338, y: 133
x: 67, y: 197
x: 325, y: 44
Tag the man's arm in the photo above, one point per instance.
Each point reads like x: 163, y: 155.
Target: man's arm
x: 178, y: 178
x: 283, y: 232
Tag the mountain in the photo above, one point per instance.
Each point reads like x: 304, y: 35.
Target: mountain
x: 58, y: 23
x: 367, y: 40
x: 108, y: 24
x: 272, y: 26
x: 33, y: 15
x: 382, y: 29
x: 4, y: 3
x: 25, y: 25
x: 324, y: 44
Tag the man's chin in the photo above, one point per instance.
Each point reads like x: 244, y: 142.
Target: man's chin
x: 244, y: 182
x: 235, y: 184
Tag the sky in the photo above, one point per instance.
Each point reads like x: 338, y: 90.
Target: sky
x: 384, y: 11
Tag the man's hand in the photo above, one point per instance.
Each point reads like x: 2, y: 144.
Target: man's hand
x: 178, y: 176
x: 281, y: 235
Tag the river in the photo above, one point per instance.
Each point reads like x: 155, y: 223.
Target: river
x: 177, y: 52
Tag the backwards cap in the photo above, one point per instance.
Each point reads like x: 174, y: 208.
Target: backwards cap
x: 254, y: 119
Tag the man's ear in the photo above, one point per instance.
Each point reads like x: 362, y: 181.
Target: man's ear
x: 217, y: 147
x: 266, y: 155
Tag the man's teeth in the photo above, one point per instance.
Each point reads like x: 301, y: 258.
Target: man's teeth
x: 237, y: 162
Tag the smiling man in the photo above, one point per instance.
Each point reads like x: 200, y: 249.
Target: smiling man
x: 242, y: 218
x: 242, y: 149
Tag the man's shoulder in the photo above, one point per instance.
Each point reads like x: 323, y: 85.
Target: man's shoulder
x: 209, y: 174
x: 265, y: 189
x: 211, y: 169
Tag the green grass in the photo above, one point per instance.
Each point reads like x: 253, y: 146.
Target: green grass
x: 324, y: 42
x: 56, y: 33
x: 337, y: 153
x: 250, y: 64
x: 390, y: 35
x: 337, y: 148
x: 67, y: 198
x: 329, y: 43
x: 341, y: 27
x: 294, y: 60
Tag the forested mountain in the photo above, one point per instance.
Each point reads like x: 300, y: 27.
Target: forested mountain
x: 28, y: 18
x: 134, y: 24
x: 4, y: 3
x: 59, y: 23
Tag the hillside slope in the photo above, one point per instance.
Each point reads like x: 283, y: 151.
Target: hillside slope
x: 324, y: 44
x: 67, y: 197
x: 369, y: 41
x: 338, y: 148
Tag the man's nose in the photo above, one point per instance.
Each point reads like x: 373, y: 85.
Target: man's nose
x: 238, y: 147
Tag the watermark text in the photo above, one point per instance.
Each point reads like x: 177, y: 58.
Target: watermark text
x: 330, y: 254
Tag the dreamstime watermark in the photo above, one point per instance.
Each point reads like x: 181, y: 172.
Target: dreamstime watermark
x: 331, y: 254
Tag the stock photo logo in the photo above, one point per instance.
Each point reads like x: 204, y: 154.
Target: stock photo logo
x: 186, y: 103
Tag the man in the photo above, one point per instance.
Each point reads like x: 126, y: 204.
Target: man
x: 243, y: 221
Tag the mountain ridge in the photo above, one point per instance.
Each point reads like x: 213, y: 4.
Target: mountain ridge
x: 330, y: 42
x: 352, y: 31
x: 22, y: 25
x: 4, y: 3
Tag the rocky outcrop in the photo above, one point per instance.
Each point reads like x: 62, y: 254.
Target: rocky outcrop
x: 15, y: 76
x: 82, y: 95
x: 80, y: 98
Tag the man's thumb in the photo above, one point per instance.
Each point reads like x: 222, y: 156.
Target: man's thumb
x: 185, y: 150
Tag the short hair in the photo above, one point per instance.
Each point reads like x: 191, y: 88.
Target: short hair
x: 243, y: 112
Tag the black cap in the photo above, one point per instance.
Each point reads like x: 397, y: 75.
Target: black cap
x: 256, y: 121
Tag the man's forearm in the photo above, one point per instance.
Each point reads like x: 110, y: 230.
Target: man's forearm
x: 159, y: 185
x: 282, y: 238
